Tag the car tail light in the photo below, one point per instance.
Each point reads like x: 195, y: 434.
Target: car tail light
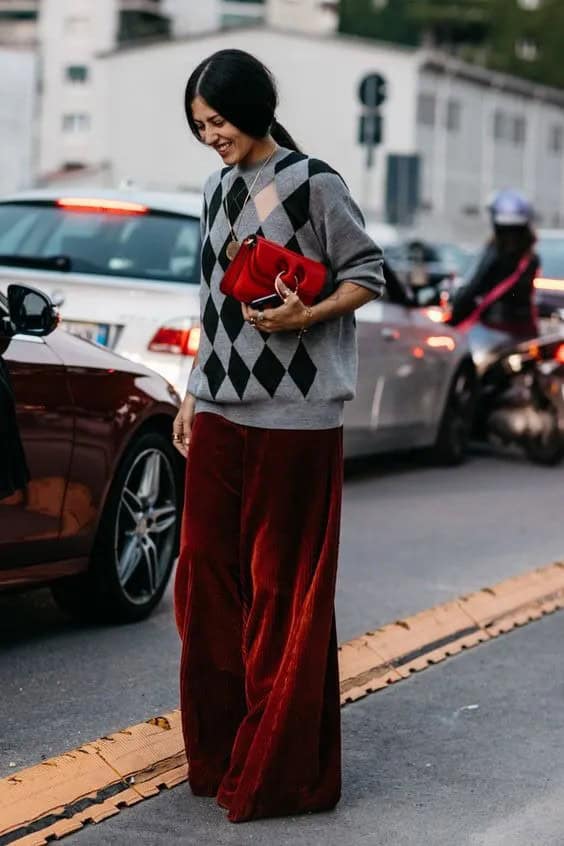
x: 559, y: 353
x: 101, y: 205
x: 436, y: 314
x: 176, y: 339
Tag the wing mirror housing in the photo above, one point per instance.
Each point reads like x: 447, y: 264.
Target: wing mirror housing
x: 31, y: 311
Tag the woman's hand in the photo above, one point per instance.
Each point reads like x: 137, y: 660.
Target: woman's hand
x: 182, y: 425
x: 291, y: 315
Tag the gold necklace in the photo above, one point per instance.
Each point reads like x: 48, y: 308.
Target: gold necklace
x: 233, y: 246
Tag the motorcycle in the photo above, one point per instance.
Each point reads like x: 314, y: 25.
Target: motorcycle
x: 521, y: 395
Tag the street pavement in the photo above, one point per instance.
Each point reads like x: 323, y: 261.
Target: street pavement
x: 413, y: 536
x: 468, y: 753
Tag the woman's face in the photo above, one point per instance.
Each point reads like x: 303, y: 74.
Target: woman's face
x: 232, y: 145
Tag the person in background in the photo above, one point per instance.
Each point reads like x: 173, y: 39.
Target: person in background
x: 500, y: 292
x: 261, y: 427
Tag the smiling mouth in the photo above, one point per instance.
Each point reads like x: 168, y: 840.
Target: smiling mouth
x: 223, y: 148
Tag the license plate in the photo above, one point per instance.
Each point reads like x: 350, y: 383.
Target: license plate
x: 98, y: 332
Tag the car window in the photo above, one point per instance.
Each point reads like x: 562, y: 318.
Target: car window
x: 155, y: 245
x: 551, y: 252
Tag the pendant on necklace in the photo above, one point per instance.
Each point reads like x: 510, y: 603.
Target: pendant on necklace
x: 232, y: 249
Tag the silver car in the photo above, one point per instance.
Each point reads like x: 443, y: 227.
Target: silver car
x: 415, y: 375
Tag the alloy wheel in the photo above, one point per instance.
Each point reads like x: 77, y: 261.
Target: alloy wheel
x: 145, y: 528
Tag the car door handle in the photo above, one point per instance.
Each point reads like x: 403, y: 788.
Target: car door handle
x: 390, y: 334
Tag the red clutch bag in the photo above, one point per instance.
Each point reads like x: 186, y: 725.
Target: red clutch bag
x: 260, y: 262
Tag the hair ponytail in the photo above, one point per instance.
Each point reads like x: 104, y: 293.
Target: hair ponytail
x: 283, y: 137
x: 242, y: 90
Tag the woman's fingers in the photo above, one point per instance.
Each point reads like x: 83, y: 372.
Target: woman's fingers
x: 182, y: 425
x: 281, y: 289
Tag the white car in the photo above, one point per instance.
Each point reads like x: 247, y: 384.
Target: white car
x: 123, y: 268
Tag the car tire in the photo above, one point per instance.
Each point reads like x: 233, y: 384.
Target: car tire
x: 546, y: 449
x: 137, y: 539
x: 452, y: 441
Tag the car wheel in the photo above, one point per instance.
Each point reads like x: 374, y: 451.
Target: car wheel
x: 137, y: 539
x: 456, y: 424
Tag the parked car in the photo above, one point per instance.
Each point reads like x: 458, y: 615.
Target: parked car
x: 124, y: 267
x: 90, y: 485
x: 121, y: 266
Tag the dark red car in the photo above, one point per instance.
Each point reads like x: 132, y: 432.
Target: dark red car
x: 90, y: 486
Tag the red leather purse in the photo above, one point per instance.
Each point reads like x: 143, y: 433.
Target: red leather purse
x: 260, y: 262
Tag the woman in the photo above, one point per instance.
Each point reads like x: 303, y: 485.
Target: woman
x: 261, y: 426
x: 499, y: 296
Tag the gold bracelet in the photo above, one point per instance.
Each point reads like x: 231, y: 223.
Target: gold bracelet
x: 305, y: 327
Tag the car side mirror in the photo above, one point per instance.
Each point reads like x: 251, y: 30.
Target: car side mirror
x: 31, y: 311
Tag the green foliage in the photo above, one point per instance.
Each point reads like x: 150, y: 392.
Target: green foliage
x: 484, y: 31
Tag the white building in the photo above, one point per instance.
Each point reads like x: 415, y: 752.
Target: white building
x: 70, y: 34
x: 470, y: 130
x: 18, y: 69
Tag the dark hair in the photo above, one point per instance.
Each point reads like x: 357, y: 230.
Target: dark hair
x: 242, y: 90
x: 514, y: 239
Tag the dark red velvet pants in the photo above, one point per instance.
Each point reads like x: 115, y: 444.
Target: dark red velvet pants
x: 254, y: 601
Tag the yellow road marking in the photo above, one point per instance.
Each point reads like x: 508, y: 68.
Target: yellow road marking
x: 93, y: 782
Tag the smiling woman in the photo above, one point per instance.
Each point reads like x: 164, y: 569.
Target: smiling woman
x: 261, y: 425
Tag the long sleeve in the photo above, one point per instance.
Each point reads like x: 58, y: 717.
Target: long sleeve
x: 339, y: 225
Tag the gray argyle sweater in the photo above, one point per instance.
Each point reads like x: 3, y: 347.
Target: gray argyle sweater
x: 277, y: 381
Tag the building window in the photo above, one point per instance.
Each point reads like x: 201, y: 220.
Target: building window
x: 556, y: 139
x: 453, y: 115
x: 76, y: 73
x: 500, y: 125
x: 76, y: 122
x: 426, y: 108
x: 519, y: 130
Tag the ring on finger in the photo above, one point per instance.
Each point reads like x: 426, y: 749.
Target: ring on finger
x: 260, y: 316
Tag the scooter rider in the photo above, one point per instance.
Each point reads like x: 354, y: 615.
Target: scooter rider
x: 499, y: 295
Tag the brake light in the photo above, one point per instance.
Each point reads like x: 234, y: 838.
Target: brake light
x: 177, y: 340
x: 438, y: 341
x: 559, y: 354
x: 101, y: 205
x: 436, y: 314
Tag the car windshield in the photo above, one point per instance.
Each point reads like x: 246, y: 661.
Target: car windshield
x: 551, y: 253
x: 152, y: 245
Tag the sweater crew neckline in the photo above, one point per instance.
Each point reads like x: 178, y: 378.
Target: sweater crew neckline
x: 252, y: 169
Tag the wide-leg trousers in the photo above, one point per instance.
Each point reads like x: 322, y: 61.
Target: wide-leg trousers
x: 254, y: 604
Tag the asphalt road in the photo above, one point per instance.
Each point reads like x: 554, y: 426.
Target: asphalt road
x: 413, y: 536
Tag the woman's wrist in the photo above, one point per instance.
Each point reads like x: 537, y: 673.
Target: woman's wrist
x: 308, y: 319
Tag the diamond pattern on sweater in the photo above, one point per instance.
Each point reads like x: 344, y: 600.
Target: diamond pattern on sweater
x: 210, y: 320
x: 215, y: 372
x: 296, y: 206
x: 237, y: 358
x: 302, y: 369
x: 208, y: 261
x: 238, y: 372
x: 231, y: 317
x: 215, y: 205
x: 268, y: 370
